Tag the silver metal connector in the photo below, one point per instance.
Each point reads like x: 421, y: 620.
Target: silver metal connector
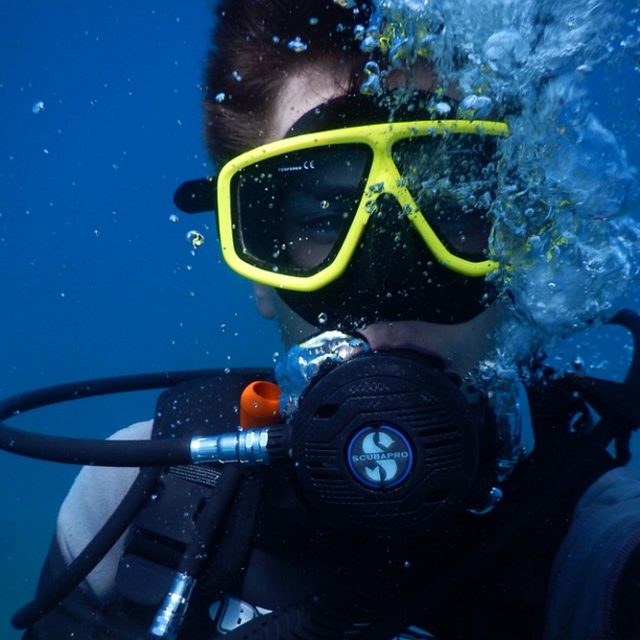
x: 168, y: 620
x: 248, y: 447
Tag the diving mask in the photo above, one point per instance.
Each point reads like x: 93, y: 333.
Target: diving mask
x: 356, y: 215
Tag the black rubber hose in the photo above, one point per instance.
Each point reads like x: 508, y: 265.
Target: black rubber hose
x: 107, y: 453
x: 103, y: 453
x: 99, y: 387
x: 91, y: 555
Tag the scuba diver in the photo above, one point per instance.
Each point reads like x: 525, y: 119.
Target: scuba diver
x: 377, y: 491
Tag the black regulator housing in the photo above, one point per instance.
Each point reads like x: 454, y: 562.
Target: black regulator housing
x: 386, y: 444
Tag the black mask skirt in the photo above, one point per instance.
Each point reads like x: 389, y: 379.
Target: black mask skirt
x: 392, y: 275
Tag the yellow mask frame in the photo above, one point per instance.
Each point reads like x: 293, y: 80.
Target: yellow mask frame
x: 383, y: 177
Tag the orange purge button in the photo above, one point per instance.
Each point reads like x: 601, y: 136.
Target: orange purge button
x: 260, y: 404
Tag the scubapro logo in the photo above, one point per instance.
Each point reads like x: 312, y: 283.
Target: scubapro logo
x: 380, y: 457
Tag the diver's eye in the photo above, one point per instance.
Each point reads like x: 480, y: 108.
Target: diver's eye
x: 322, y: 228
x: 318, y: 218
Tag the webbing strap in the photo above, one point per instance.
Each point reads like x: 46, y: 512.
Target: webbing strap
x: 188, y: 499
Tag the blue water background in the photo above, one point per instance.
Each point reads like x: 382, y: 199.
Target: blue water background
x: 95, y: 279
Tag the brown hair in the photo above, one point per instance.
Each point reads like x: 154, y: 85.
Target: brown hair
x: 252, y: 59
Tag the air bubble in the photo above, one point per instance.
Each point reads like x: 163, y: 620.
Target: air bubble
x: 38, y: 107
x: 372, y: 68
x: 443, y: 109
x: 371, y: 86
x: 195, y: 239
x: 476, y: 106
x: 173, y: 218
x: 296, y: 45
x: 369, y: 43
x: 578, y: 364
x: 220, y: 97
x: 371, y: 207
x: 322, y: 318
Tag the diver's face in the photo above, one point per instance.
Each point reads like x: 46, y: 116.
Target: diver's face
x: 461, y: 346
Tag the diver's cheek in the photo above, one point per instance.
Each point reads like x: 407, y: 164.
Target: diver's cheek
x: 293, y: 328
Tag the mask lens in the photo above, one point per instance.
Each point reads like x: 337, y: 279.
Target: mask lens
x: 453, y: 180
x: 292, y: 212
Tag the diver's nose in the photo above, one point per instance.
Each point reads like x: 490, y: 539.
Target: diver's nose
x: 390, y: 238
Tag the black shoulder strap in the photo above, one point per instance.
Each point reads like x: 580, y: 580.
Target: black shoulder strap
x: 163, y: 532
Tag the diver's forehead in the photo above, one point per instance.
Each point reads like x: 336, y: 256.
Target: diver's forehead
x: 302, y: 92
x: 308, y: 88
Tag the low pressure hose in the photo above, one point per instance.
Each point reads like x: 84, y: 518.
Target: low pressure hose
x: 249, y: 447
x: 252, y: 446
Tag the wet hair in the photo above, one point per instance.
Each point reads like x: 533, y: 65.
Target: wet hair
x: 254, y: 53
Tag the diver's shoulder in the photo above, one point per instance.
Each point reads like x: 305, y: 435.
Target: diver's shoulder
x: 136, y: 431
x: 615, y: 488
x: 602, y: 537
x: 92, y: 498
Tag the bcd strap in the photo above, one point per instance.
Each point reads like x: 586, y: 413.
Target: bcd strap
x: 164, y: 530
